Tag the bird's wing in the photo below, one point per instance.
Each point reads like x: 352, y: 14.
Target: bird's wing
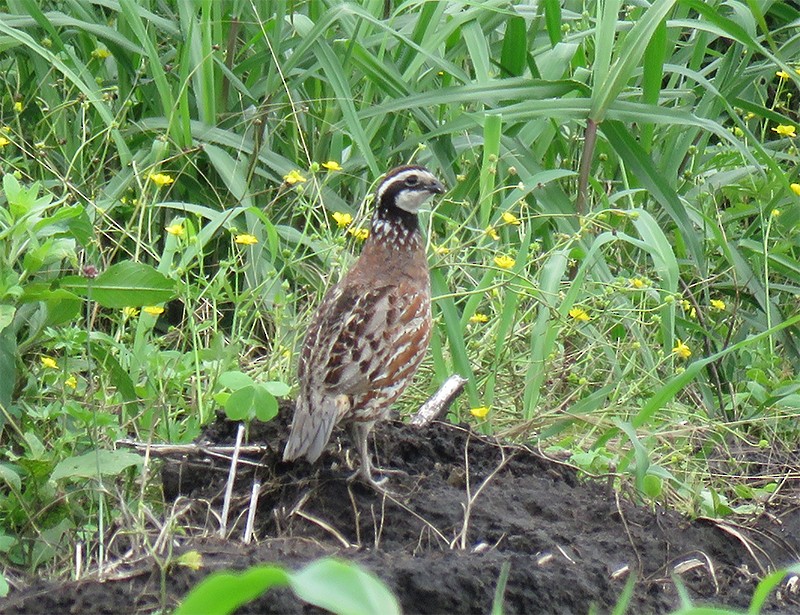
x: 358, y: 340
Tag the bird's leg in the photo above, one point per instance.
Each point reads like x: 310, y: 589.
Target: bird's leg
x: 359, y: 433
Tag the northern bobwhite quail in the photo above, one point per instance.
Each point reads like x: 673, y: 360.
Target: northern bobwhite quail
x: 370, y: 332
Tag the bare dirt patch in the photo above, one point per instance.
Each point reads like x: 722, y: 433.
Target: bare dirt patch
x: 463, y: 507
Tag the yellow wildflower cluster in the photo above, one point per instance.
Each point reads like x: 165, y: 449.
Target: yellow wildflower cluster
x: 294, y: 177
x: 785, y: 130
x: 504, y: 262
x: 477, y: 317
x: 359, y: 233
x: 175, y: 229
x: 681, y: 350
x: 579, y: 314
x: 343, y: 220
x: 161, y: 179
x: 245, y: 239
x: 480, y: 412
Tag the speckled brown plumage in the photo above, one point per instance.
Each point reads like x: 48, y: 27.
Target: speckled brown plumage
x: 371, y: 331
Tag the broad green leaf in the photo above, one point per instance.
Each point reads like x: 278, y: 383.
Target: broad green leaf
x: 342, y: 587
x: 221, y: 593
x: 277, y: 388
x: 96, y: 463
x: 264, y: 404
x: 240, y: 405
x: 235, y: 380
x: 126, y: 284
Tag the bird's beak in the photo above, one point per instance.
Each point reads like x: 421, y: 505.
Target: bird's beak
x: 436, y: 187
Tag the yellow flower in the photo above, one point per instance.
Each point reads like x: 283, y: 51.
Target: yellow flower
x: 504, y: 262
x: 510, y: 218
x: 491, y: 232
x: 294, y: 177
x: 71, y: 382
x: 359, y: 233
x: 160, y: 179
x: 478, y: 317
x: 4, y: 142
x: 637, y: 282
x: 18, y: 107
x: 682, y: 350
x: 775, y: 213
x: 101, y: 53
x: 49, y: 363
x: 245, y: 240
x: 785, y: 130
x: 332, y: 165
x: 153, y: 310
x: 130, y: 312
x: 175, y: 229
x: 579, y: 314
x: 718, y: 305
x: 480, y: 412
x: 342, y: 219
x: 782, y: 74
x: 795, y: 188
x: 441, y: 250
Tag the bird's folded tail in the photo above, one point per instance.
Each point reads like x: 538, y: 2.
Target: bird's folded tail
x: 311, y: 428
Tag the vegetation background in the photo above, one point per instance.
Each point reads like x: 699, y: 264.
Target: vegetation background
x: 616, y: 264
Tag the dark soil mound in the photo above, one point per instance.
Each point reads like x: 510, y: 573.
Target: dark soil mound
x: 462, y: 508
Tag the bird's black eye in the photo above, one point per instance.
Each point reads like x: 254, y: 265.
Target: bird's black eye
x: 412, y: 180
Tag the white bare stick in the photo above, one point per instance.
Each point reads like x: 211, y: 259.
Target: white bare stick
x: 440, y: 401
x: 226, y: 503
x: 251, y: 511
x: 162, y: 450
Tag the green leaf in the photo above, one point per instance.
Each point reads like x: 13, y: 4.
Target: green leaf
x: 277, y: 388
x: 235, y: 380
x: 96, y: 463
x: 264, y: 404
x: 10, y: 477
x: 126, y: 284
x: 652, y: 486
x: 221, y: 593
x: 342, y: 587
x: 240, y: 405
x: 8, y: 367
x: 767, y: 584
x: 515, y: 47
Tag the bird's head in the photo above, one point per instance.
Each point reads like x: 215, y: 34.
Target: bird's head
x: 407, y: 188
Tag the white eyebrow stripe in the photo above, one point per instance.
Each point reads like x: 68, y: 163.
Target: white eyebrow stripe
x: 401, y: 177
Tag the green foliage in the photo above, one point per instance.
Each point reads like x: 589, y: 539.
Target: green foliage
x: 336, y: 586
x: 615, y: 265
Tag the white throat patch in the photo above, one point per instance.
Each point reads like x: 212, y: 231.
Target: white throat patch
x: 412, y: 200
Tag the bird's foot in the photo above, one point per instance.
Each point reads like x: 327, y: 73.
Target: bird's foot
x: 364, y: 475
